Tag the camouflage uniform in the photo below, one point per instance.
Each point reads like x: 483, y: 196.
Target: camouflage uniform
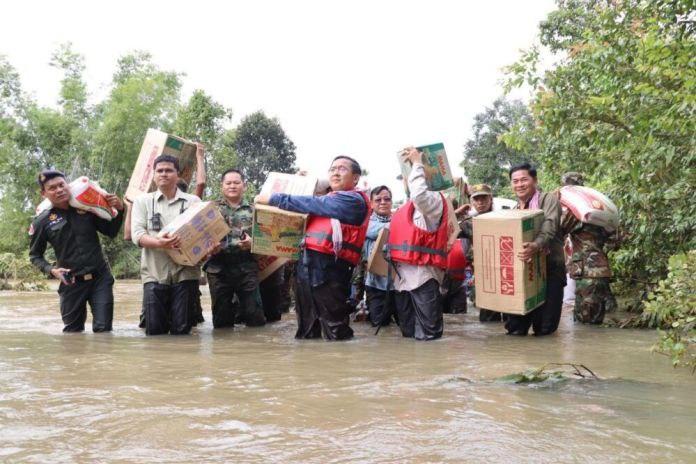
x: 234, y: 272
x: 589, y: 266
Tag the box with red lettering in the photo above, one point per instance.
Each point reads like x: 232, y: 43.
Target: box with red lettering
x: 504, y: 282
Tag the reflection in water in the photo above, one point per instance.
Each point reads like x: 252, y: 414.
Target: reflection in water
x: 257, y: 395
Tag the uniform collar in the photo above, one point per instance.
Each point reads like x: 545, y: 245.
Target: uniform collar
x: 244, y: 203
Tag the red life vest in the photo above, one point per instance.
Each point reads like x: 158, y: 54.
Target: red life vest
x: 456, y: 260
x: 412, y: 245
x: 318, y: 236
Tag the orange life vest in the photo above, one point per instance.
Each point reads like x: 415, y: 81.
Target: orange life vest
x: 456, y: 260
x: 412, y: 245
x: 318, y: 236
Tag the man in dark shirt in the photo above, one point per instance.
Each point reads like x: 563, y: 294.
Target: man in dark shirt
x: 544, y: 320
x: 80, y: 266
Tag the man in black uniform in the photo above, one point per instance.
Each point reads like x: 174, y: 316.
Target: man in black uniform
x: 83, y: 273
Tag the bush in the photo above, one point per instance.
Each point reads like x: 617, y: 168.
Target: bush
x: 671, y: 307
x: 26, y: 277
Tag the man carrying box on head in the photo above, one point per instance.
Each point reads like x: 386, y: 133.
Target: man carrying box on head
x: 332, y: 247
x: 417, y: 246
x: 234, y: 270
x: 546, y: 317
x: 169, y: 289
x: 81, y: 269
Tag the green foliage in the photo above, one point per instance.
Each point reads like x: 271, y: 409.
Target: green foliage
x: 102, y: 139
x: 23, y: 275
x: 620, y: 106
x: 262, y: 146
x: 486, y: 157
x: 672, y: 307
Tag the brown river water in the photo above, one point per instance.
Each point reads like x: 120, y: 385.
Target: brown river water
x: 258, y: 395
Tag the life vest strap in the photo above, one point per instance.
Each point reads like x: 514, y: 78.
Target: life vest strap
x: 405, y: 247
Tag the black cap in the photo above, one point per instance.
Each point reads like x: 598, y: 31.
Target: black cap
x: 48, y: 174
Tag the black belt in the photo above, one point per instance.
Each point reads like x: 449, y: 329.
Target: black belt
x: 86, y: 277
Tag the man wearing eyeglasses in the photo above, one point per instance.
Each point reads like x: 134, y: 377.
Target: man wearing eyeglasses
x: 169, y: 289
x: 332, y: 247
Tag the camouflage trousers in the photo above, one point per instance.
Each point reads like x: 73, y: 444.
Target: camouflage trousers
x: 593, y: 298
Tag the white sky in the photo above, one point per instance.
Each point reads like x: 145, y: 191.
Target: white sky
x: 362, y: 78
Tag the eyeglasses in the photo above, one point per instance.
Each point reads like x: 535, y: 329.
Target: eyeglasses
x: 339, y: 169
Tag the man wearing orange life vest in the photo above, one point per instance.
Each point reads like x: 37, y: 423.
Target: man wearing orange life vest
x: 332, y: 247
x: 417, y: 246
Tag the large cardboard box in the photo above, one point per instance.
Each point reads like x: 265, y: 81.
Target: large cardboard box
x: 279, y: 182
x: 159, y: 143
x: 438, y: 174
x: 276, y: 232
x: 503, y: 282
x: 200, y: 227
x: 376, y: 263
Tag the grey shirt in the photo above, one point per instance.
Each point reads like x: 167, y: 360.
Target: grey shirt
x: 155, y: 264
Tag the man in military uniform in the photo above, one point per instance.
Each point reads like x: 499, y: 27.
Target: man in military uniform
x: 481, y: 197
x: 81, y: 269
x: 234, y: 271
x: 588, y: 264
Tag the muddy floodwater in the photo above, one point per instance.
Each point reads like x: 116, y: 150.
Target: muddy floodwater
x: 258, y: 395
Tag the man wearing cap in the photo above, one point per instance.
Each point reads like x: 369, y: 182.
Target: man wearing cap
x: 80, y: 266
x: 332, y: 247
x: 481, y: 196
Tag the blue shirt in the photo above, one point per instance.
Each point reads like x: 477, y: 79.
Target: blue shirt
x: 377, y: 223
x: 348, y: 207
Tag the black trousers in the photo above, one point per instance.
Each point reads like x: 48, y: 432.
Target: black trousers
x: 223, y: 288
x: 272, y: 298
x: 454, y: 301
x: 323, y: 310
x: 98, y: 293
x: 168, y: 308
x: 380, y: 310
x: 544, y: 320
x: 420, y: 311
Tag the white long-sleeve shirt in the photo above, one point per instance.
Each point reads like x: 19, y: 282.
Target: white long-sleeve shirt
x: 427, y: 216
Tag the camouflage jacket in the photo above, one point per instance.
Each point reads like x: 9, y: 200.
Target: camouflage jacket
x: 239, y: 220
x: 588, y: 258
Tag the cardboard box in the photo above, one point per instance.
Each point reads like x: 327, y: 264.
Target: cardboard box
x: 200, y: 227
x: 376, y: 263
x: 503, y: 282
x: 159, y: 143
x: 279, y: 182
x: 269, y: 264
x: 438, y: 174
x: 276, y: 232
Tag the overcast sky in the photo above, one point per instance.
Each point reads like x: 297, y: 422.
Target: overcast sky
x: 363, y: 78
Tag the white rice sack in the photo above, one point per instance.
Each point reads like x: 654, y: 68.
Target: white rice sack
x: 590, y: 206
x: 88, y: 196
